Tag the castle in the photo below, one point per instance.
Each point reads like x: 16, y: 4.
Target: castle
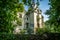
x: 30, y: 20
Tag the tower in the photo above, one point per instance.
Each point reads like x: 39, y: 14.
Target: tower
x: 34, y: 19
x: 31, y: 20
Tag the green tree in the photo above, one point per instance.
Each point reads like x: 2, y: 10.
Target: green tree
x: 8, y: 11
x: 54, y: 14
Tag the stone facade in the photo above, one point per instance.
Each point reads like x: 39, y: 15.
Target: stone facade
x: 30, y: 22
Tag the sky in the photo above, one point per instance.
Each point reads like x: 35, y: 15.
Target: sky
x: 43, y: 6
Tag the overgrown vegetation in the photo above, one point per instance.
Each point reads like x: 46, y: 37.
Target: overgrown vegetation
x: 8, y: 13
x: 46, y: 36
x: 54, y: 15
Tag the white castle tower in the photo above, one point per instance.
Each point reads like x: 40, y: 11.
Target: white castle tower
x: 31, y: 20
x: 34, y: 19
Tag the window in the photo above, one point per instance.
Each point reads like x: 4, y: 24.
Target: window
x: 27, y: 18
x: 37, y: 17
x: 38, y: 24
x: 20, y: 15
x: 27, y: 24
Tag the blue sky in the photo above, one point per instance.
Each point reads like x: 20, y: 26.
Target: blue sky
x: 43, y: 6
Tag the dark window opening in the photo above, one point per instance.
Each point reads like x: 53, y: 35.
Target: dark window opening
x: 38, y: 24
x: 20, y: 15
x: 27, y: 18
x: 27, y: 25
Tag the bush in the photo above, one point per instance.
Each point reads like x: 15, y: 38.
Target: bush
x: 40, y: 31
x: 45, y: 36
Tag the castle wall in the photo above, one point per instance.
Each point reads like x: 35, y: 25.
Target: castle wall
x: 35, y: 22
x: 41, y: 21
x: 29, y: 21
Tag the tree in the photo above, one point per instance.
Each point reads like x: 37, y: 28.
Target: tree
x: 54, y: 14
x: 8, y: 13
x: 8, y: 10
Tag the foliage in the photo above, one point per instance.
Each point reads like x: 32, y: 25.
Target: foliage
x: 19, y: 21
x: 22, y: 31
x: 54, y: 14
x: 29, y: 2
x: 40, y: 31
x: 46, y: 36
x: 8, y: 11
